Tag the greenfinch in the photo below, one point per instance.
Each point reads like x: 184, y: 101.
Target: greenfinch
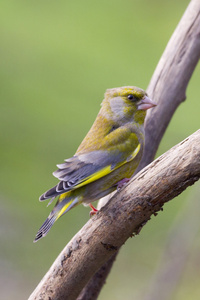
x: 108, y: 155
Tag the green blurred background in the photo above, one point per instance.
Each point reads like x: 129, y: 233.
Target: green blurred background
x: 57, y: 60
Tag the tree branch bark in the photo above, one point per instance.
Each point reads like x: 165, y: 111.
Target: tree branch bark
x: 131, y: 208
x: 98, y: 241
x: 170, y: 79
x: 168, y: 86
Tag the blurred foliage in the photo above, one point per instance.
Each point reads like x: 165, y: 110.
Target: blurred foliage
x: 57, y: 60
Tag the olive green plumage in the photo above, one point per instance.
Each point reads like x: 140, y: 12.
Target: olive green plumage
x: 110, y: 152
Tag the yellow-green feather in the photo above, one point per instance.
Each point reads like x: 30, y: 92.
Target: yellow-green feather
x: 118, y: 131
x: 105, y: 171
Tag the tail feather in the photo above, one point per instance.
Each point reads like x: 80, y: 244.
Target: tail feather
x: 44, y: 229
x: 61, y: 207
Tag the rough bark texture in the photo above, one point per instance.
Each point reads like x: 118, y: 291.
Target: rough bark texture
x: 168, y: 86
x: 130, y: 209
x: 99, y: 240
x: 170, y: 79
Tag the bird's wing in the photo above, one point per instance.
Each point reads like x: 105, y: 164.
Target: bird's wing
x: 85, y: 168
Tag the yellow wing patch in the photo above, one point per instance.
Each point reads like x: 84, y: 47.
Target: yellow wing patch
x: 73, y: 202
x: 95, y: 176
x: 106, y: 170
x: 64, y: 208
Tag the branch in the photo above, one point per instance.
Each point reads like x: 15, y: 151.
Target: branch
x: 168, y: 84
x: 130, y: 209
x: 94, y: 286
x: 167, y: 87
x: 170, y: 79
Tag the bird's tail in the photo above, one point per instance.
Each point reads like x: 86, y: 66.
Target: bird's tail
x: 63, y: 205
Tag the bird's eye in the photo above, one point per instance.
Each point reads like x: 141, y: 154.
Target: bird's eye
x: 131, y: 97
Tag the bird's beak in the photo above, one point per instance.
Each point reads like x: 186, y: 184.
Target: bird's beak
x: 146, y: 103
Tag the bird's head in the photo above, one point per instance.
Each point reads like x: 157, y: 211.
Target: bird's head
x: 127, y: 103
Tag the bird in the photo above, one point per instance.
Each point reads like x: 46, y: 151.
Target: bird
x: 106, y: 158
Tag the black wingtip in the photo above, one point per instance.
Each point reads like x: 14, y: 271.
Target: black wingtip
x: 49, y: 194
x: 42, y: 197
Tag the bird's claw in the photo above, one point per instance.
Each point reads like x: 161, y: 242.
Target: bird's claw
x: 93, y: 211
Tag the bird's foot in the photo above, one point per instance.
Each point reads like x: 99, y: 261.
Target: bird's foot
x: 122, y: 182
x: 93, y: 211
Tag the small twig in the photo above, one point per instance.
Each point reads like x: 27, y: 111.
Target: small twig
x: 93, y: 288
